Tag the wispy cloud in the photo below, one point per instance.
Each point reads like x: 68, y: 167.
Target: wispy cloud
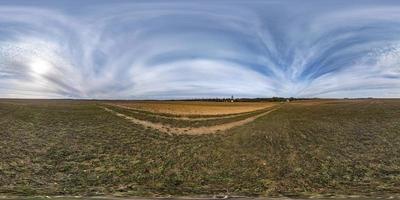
x: 182, y: 49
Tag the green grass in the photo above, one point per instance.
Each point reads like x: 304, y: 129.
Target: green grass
x: 77, y: 148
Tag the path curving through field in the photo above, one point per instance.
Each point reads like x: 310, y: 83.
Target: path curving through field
x: 184, y: 117
x: 189, y: 131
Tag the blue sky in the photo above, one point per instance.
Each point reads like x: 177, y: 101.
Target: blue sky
x: 187, y: 49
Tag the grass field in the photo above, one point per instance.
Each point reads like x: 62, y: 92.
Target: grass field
x: 296, y: 149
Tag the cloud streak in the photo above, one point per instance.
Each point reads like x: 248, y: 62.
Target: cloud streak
x: 186, y: 49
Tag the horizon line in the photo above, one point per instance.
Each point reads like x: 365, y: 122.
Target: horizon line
x: 204, y: 99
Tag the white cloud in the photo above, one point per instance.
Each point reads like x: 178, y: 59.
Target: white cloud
x: 160, y: 50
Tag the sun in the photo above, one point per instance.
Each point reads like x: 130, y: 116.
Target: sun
x: 40, y: 66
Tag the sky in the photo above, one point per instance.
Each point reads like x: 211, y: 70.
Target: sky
x: 199, y: 49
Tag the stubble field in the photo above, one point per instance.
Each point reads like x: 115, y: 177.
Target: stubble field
x: 296, y: 149
x: 193, y: 108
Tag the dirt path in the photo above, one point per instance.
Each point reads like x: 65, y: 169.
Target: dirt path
x: 189, y: 131
x: 183, y: 118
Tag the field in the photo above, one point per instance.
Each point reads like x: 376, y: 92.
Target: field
x: 128, y: 148
x: 189, y: 108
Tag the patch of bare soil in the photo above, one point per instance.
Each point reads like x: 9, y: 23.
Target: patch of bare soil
x: 185, y: 118
x: 188, y: 131
x: 197, y: 108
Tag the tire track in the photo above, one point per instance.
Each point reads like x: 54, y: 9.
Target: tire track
x: 189, y: 131
x: 186, y: 118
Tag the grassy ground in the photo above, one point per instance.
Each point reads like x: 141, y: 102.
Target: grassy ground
x: 77, y: 148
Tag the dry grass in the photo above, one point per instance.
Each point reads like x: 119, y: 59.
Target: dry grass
x: 300, y: 150
x: 195, y: 107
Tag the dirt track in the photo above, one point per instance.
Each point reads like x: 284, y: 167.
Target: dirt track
x: 182, y: 117
x: 189, y: 131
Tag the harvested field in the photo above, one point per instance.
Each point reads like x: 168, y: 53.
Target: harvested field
x: 190, y: 130
x: 298, y: 149
x: 195, y: 107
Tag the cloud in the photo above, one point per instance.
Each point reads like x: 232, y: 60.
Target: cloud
x: 183, y: 49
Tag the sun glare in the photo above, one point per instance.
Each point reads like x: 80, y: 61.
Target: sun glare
x: 40, y: 66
